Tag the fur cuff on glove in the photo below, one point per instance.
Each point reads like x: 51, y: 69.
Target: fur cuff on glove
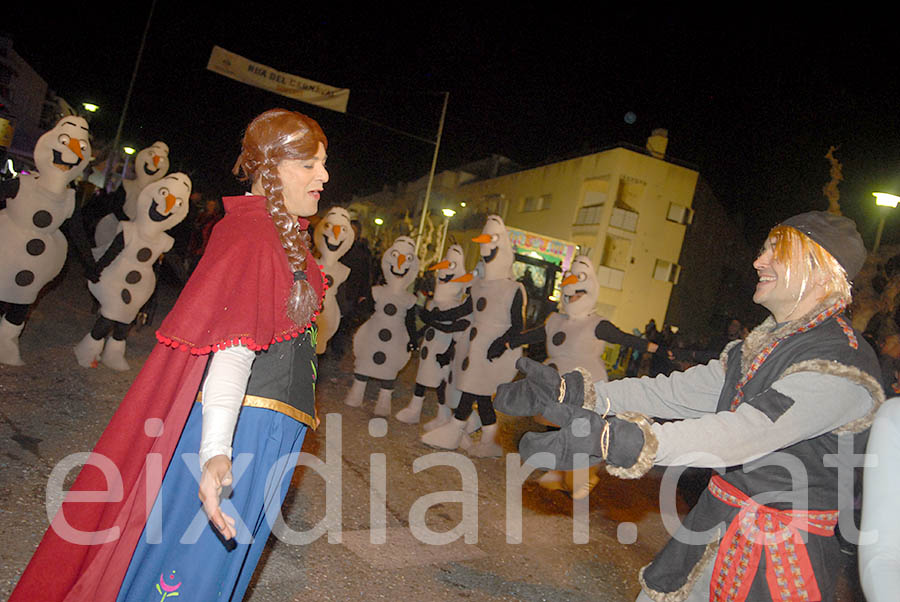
x: 647, y: 453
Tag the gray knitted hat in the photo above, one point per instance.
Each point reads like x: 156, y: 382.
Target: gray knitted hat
x: 834, y: 233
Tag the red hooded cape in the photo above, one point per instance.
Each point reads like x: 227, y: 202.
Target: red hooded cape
x: 237, y: 295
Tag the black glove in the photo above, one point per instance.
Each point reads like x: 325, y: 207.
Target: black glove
x: 539, y: 389
x: 581, y: 432
x: 497, y: 348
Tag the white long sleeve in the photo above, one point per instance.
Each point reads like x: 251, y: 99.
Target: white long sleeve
x: 223, y: 393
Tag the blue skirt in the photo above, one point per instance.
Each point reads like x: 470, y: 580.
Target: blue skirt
x: 180, y: 553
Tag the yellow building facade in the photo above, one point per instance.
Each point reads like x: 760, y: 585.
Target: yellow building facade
x: 626, y: 209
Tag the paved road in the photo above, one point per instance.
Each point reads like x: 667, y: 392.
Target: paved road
x: 52, y: 407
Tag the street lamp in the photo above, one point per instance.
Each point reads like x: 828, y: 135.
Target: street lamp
x: 128, y: 152
x: 883, y: 199
x: 448, y: 213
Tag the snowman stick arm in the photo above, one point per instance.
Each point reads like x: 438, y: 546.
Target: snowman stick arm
x: 455, y: 326
x: 454, y: 313
x: 411, y: 325
x: 607, y: 331
x: 529, y: 337
x: 115, y: 247
x: 517, y: 325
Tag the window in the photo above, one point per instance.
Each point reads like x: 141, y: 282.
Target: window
x: 666, y: 271
x: 610, y: 277
x: 536, y: 203
x: 680, y: 214
x: 594, y: 197
x: 624, y: 219
x: 589, y: 215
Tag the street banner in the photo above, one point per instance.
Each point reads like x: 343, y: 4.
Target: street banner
x: 257, y: 75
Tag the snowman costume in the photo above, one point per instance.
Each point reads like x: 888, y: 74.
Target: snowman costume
x: 333, y: 237
x: 33, y: 248
x: 576, y: 338
x: 438, y: 347
x: 150, y: 165
x: 496, y: 308
x: 124, y: 277
x: 382, y: 344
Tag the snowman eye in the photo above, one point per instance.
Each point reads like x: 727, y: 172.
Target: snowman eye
x: 452, y: 265
x: 581, y: 276
x: 495, y: 237
x: 83, y: 145
x: 164, y: 191
x: 394, y: 254
x: 64, y: 139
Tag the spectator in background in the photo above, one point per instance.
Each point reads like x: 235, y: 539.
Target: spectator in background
x: 355, y: 295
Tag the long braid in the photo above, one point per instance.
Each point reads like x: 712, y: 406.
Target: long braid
x: 302, y: 301
x: 272, y: 137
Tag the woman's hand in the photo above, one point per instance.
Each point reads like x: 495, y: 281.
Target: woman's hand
x: 216, y: 474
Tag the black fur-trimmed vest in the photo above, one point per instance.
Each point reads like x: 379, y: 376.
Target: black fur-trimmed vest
x: 831, y: 347
x: 283, y: 378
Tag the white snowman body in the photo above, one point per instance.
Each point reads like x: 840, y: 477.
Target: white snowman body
x: 380, y: 344
x: 333, y: 237
x: 572, y: 343
x: 447, y: 295
x: 33, y: 248
x: 492, y: 301
x: 150, y: 165
x: 571, y: 334
x: 129, y: 281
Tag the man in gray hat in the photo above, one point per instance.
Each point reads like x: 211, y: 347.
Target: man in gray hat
x: 768, y: 415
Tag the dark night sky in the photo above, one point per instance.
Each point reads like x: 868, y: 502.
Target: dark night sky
x: 753, y: 105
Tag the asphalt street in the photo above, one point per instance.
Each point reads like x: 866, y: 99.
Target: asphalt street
x: 396, y: 496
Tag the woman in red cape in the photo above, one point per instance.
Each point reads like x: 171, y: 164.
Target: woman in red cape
x: 241, y: 340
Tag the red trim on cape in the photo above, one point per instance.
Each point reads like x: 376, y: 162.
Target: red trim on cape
x: 238, y: 293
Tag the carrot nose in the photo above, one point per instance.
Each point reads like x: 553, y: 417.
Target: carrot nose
x: 570, y: 279
x: 400, y: 260
x: 336, y: 230
x: 75, y: 146
x: 156, y: 160
x: 482, y: 238
x: 464, y: 278
x: 443, y: 265
x: 170, y: 202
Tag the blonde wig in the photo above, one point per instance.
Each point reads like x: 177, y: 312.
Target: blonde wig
x: 806, y: 259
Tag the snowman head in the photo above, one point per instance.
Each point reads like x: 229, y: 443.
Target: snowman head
x: 334, y: 235
x: 64, y: 152
x: 164, y: 204
x: 151, y: 163
x: 447, y: 272
x: 399, y: 263
x: 580, y: 288
x: 496, y: 249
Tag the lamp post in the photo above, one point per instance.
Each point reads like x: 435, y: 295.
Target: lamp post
x: 883, y: 199
x: 448, y: 213
x: 128, y: 152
